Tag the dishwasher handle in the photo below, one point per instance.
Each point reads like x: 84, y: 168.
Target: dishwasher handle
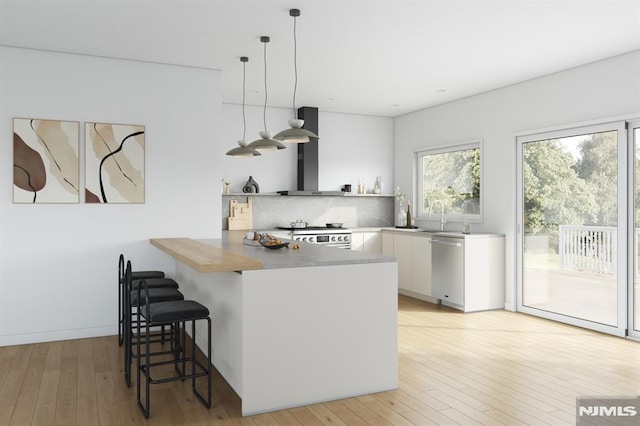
x: 447, y: 243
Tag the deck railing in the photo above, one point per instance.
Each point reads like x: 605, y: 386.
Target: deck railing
x: 588, y: 248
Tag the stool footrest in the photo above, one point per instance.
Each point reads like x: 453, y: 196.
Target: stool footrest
x: 203, y: 372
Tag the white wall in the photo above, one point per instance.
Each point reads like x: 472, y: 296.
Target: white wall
x: 350, y: 146
x: 595, y: 91
x: 355, y: 146
x: 58, y: 263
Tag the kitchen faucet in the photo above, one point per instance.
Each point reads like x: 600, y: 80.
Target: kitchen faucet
x: 443, y: 220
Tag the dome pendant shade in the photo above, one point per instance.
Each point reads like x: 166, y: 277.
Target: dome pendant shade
x: 243, y: 150
x: 296, y: 134
x: 266, y: 143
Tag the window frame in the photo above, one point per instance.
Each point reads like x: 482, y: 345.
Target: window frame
x: 422, y: 215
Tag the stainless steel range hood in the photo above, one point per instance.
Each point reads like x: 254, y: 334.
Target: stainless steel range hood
x: 308, y: 158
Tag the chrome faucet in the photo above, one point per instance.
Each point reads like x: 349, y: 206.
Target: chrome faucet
x: 443, y: 220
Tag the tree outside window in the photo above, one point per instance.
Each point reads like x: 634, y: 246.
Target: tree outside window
x: 450, y: 175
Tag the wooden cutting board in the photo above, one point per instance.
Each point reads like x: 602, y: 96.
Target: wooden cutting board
x: 240, y: 215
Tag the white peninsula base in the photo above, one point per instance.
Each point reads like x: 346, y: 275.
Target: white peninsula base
x: 288, y: 337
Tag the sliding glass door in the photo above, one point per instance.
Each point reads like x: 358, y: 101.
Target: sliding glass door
x: 634, y: 235
x: 572, y: 222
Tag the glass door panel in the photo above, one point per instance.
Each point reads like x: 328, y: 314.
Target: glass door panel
x: 571, y: 264
x: 634, y: 314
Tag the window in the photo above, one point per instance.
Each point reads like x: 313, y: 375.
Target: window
x: 450, y: 175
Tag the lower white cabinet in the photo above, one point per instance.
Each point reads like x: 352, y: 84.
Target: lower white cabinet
x: 402, y: 252
x: 367, y: 241
x: 421, y: 265
x: 466, y: 272
x: 413, y: 252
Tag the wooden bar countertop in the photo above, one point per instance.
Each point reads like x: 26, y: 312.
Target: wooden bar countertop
x: 205, y: 257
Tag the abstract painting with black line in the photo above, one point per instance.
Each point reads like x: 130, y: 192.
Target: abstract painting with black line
x: 45, y: 161
x: 114, y: 163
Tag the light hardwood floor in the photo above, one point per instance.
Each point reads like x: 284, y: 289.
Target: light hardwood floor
x: 486, y: 368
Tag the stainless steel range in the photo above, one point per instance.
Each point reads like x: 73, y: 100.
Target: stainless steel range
x: 330, y: 237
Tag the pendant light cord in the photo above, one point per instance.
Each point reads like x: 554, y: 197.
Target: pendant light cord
x: 264, y: 110
x: 244, y: 117
x: 295, y: 66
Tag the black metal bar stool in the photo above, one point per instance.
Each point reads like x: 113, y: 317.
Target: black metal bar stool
x: 166, y: 292
x: 169, y: 313
x: 136, y: 275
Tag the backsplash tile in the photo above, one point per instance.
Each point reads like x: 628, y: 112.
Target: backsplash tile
x: 271, y: 211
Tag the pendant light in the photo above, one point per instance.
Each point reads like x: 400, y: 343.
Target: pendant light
x: 243, y: 150
x: 266, y: 141
x: 295, y: 134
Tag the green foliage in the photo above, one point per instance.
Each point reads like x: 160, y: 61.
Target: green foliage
x: 562, y: 190
x: 454, y: 179
x: 598, y: 166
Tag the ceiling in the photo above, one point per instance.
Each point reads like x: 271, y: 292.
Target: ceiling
x: 377, y: 57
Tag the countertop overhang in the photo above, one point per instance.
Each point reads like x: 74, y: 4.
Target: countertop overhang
x: 205, y: 257
x: 230, y: 254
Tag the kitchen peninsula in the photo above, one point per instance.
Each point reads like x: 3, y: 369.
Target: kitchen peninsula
x: 293, y: 327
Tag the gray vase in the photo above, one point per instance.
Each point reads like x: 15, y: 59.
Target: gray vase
x: 251, y: 187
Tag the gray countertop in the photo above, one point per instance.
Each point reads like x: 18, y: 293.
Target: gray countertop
x: 306, y: 256
x: 450, y: 234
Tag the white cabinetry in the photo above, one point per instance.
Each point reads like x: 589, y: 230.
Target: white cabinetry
x: 421, y: 265
x: 366, y: 241
x: 468, y: 272
x: 402, y: 252
x: 413, y: 252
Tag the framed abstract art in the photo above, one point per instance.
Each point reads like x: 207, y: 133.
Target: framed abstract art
x: 45, y: 161
x: 114, y: 163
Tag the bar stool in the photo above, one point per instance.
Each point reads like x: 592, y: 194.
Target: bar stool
x: 136, y: 275
x: 169, y: 313
x: 156, y: 294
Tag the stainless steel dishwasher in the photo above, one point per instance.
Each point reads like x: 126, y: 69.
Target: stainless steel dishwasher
x: 447, y: 269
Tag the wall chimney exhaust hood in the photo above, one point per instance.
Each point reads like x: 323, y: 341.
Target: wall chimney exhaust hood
x: 308, y: 158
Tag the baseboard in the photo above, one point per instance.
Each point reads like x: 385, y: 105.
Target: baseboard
x: 418, y: 296
x: 53, y: 336
x: 509, y: 307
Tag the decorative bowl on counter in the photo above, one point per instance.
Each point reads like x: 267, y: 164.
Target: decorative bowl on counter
x: 273, y: 244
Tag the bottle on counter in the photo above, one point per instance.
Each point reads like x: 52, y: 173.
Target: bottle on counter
x: 408, y: 215
x: 402, y: 217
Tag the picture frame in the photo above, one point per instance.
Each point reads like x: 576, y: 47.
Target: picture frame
x: 114, y: 163
x: 45, y: 161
